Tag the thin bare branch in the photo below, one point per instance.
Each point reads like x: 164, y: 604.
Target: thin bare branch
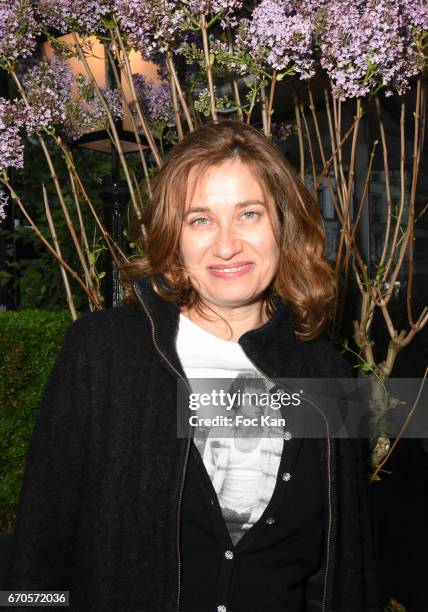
x: 50, y: 248
x: 205, y: 43
x: 116, y: 35
x: 116, y: 140
x: 299, y: 134
x: 175, y: 106
x: 337, y: 114
x: 411, y: 222
x: 111, y: 244
x: 180, y: 93
x: 68, y: 293
x: 264, y: 110
x: 334, y: 149
x: 128, y: 109
x: 60, y: 195
x: 270, y: 105
x: 311, y: 153
x: 387, y: 182
x: 399, y: 216
x: 402, y: 429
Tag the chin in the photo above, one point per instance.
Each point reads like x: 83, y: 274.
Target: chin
x: 231, y: 300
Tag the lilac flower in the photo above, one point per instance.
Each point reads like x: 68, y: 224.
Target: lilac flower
x: 416, y: 13
x: 212, y: 7
x: 368, y: 45
x: 87, y: 113
x: 11, y: 145
x: 114, y: 102
x: 309, y: 8
x: 152, y: 26
x: 48, y: 86
x: 3, y: 203
x: 277, y: 38
x: 226, y: 9
x: 84, y: 16
x: 18, y: 30
x: 155, y: 100
x: 157, y: 26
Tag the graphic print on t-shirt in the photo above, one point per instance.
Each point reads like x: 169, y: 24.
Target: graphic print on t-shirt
x: 242, y: 461
x: 239, y: 492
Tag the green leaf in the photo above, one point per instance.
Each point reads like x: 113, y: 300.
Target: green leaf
x: 4, y: 278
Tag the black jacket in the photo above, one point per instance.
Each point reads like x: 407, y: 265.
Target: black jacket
x: 99, y: 512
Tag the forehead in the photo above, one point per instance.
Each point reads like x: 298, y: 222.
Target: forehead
x: 229, y: 182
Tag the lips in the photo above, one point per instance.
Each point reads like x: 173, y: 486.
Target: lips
x: 232, y: 270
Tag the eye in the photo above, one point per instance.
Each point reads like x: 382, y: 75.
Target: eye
x: 250, y: 214
x: 199, y: 221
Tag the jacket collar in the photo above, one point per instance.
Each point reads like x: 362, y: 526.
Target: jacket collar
x: 273, y: 347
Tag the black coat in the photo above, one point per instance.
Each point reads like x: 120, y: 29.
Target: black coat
x: 100, y: 503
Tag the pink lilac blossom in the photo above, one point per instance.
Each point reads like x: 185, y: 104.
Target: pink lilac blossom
x: 18, y: 30
x: 11, y: 145
x: 367, y: 45
x: 155, y: 99
x: 87, y: 113
x: 278, y: 39
x: 416, y: 13
x: 307, y: 7
x: 226, y: 9
x: 152, y: 26
x: 85, y: 16
x: 114, y: 102
x: 48, y: 86
x: 212, y: 7
x: 155, y: 27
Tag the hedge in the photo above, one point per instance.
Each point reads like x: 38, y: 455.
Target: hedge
x: 29, y: 343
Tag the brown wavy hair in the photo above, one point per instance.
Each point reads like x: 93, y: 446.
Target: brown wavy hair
x: 304, y: 278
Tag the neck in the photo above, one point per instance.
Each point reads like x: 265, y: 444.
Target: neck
x: 240, y: 319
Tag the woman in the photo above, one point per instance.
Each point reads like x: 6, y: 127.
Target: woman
x: 119, y: 509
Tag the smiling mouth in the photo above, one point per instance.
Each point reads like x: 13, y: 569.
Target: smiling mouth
x: 230, y: 269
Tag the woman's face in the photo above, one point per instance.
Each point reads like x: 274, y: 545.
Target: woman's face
x: 227, y: 241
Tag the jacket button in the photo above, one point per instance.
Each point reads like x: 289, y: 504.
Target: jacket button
x: 221, y: 609
x: 286, y: 476
x: 270, y: 520
x: 228, y: 554
x: 287, y: 435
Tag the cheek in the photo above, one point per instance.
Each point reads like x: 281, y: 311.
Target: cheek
x: 266, y: 245
x: 192, y: 245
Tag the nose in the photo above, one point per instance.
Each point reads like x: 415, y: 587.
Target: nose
x: 227, y: 243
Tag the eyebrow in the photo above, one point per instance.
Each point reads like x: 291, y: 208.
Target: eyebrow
x: 238, y: 205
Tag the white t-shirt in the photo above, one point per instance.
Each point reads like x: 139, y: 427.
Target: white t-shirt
x: 205, y: 356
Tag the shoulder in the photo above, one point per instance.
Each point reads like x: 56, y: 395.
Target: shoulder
x: 326, y: 359
x: 101, y: 330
